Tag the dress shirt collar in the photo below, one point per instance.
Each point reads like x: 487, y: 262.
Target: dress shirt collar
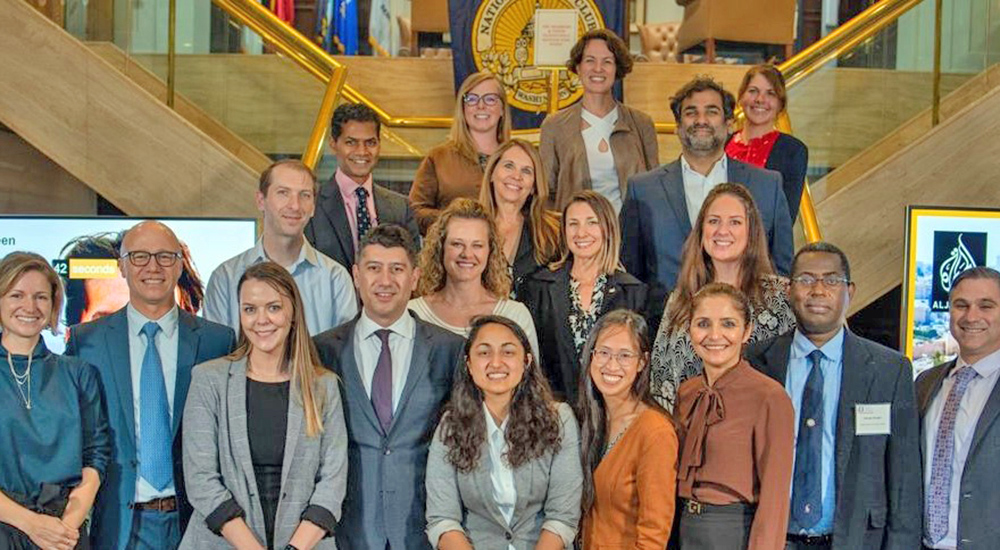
x: 985, y: 367
x: 306, y: 254
x: 720, y: 168
x: 833, y: 350
x: 347, y: 185
x: 405, y: 326
x: 492, y: 430
x: 136, y: 320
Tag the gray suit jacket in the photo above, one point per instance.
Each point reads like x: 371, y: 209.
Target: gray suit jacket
x: 979, y: 508
x: 385, y: 484
x: 879, y: 488
x: 330, y: 232
x: 218, y: 466
x: 655, y: 224
x: 548, y: 496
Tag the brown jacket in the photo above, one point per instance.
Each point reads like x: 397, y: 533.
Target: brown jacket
x: 443, y: 176
x: 634, y: 488
x: 564, y: 154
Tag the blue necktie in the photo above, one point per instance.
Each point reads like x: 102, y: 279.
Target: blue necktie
x: 155, y: 464
x: 807, y: 484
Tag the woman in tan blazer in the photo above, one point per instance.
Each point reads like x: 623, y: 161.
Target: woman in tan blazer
x: 454, y: 169
x: 628, y: 442
x: 597, y: 143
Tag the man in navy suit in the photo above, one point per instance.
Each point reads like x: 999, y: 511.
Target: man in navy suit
x: 144, y: 353
x: 960, y: 420
x: 397, y: 372
x: 661, y: 205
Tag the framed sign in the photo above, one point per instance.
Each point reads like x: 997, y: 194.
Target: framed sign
x: 555, y: 34
x: 941, y: 242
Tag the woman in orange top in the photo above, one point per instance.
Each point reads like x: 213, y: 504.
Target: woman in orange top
x: 629, y: 447
x: 737, y: 430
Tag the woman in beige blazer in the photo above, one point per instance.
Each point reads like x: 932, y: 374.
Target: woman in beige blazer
x: 597, y: 143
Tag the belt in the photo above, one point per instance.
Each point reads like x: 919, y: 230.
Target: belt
x: 809, y: 540
x: 699, y: 508
x: 165, y: 504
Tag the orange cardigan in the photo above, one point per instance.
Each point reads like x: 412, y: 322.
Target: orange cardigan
x: 634, y: 488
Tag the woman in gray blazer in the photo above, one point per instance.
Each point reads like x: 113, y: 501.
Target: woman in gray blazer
x: 265, y: 446
x: 504, y: 466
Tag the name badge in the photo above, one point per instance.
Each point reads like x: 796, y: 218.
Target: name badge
x: 872, y: 418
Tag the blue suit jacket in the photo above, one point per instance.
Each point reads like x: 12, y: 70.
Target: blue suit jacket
x: 385, y: 474
x: 104, y: 344
x: 655, y: 224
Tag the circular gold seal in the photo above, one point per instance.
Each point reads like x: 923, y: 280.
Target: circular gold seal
x: 503, y: 41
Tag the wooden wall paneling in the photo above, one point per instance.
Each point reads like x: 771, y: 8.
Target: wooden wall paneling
x: 30, y: 183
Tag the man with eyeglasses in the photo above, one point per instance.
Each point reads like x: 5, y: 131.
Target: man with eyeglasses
x: 856, y: 480
x: 144, y: 353
x: 350, y: 204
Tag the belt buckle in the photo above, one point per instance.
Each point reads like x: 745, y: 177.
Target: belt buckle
x: 694, y: 507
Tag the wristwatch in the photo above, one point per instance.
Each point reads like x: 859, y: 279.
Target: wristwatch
x: 290, y: 547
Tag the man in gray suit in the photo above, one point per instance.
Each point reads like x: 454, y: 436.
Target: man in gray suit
x: 856, y: 477
x: 350, y: 203
x: 960, y: 420
x: 661, y: 205
x: 396, y: 372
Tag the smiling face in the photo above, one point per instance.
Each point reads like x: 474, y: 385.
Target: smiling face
x: 466, y: 249
x: 584, y: 235
x: 703, y: 127
x: 760, y: 102
x: 513, y: 177
x: 597, y: 68
x: 496, y: 361
x: 975, y: 318
x: 26, y: 308
x: 290, y: 202
x: 357, y: 150
x: 820, y: 310
x: 616, y: 362
x: 718, y: 332
x: 385, y: 279
x: 151, y: 286
x: 480, y: 117
x: 724, y: 233
x: 265, y: 316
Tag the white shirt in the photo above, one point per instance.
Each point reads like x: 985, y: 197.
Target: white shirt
x: 167, y: 341
x: 511, y: 309
x: 501, y: 476
x: 368, y: 347
x: 603, y: 175
x: 697, y: 186
x: 969, y: 408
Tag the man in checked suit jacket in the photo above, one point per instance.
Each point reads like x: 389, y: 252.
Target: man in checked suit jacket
x: 130, y: 513
x: 970, y: 512
x: 390, y: 419
x: 334, y: 228
x: 661, y: 205
x: 867, y: 480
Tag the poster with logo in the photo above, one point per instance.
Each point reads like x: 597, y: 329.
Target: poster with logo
x: 84, y: 250
x: 941, y: 243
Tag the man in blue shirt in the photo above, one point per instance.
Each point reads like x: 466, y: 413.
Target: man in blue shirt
x: 287, y: 198
x: 856, y: 479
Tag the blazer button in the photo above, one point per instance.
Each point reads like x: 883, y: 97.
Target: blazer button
x: 388, y: 452
x: 509, y: 535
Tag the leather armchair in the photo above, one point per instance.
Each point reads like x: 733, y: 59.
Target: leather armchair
x: 659, y: 41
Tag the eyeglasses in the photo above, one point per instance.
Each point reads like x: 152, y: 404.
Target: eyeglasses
x: 829, y: 281
x: 140, y: 258
x: 490, y: 100
x: 625, y: 358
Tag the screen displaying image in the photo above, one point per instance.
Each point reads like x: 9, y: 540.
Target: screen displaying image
x: 84, y: 251
x: 941, y: 243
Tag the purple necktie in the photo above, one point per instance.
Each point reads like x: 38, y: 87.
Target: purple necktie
x: 939, y: 493
x: 382, y: 382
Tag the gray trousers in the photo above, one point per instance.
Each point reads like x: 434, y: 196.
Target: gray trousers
x: 711, y: 527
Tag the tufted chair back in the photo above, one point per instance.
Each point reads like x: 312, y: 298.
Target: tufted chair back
x: 659, y: 41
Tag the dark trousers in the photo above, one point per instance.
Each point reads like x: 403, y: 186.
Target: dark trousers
x: 51, y: 501
x: 710, y: 527
x: 155, y: 530
x: 799, y: 546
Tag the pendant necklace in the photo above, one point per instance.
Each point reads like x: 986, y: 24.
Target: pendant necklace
x: 21, y: 379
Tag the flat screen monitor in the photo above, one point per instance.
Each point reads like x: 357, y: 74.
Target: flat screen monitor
x: 83, y: 252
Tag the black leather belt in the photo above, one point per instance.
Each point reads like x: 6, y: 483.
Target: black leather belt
x: 810, y: 540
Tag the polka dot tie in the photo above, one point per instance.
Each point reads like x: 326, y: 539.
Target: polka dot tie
x: 364, y: 217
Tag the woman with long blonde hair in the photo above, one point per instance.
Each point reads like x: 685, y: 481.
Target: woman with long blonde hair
x: 268, y: 413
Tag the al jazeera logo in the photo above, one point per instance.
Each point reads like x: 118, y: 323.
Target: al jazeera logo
x: 503, y: 40
x: 954, y: 252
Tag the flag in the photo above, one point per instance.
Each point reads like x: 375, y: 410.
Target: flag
x: 498, y: 36
x: 284, y: 9
x: 380, y: 29
x: 347, y: 27
x: 325, y: 24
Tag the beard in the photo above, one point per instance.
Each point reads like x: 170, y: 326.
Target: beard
x: 698, y: 143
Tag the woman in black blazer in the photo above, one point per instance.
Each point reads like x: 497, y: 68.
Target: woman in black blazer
x: 762, y: 97
x: 587, y: 282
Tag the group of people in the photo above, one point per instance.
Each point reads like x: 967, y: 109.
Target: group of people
x: 587, y: 349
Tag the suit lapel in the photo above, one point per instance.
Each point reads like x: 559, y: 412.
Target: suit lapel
x: 333, y: 206
x: 855, y: 383
x: 986, y: 418
x: 931, y: 386
x: 187, y: 353
x: 560, y: 309
x: 293, y: 431
x: 121, y: 366
x: 239, y: 436
x: 384, y: 207
x: 776, y: 358
x: 420, y: 360
x: 673, y: 187
x: 484, y: 484
x: 351, y: 372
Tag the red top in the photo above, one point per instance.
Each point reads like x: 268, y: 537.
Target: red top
x: 755, y: 152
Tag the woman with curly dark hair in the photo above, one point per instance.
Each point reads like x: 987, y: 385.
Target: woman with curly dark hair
x: 504, y: 466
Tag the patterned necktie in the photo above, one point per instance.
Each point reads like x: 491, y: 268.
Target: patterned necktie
x: 382, y: 382
x: 807, y: 485
x: 363, y: 216
x: 155, y: 464
x: 939, y: 493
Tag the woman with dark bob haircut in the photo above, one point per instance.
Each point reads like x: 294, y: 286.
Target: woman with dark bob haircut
x: 504, y: 465
x: 598, y: 142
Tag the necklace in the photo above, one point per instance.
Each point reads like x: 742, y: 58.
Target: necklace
x: 21, y: 379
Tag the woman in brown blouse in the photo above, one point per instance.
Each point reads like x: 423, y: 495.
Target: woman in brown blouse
x: 629, y: 446
x: 737, y: 431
